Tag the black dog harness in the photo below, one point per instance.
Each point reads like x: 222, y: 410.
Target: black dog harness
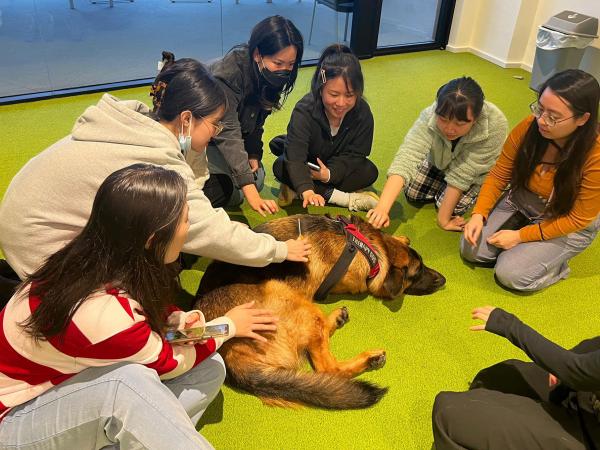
x: 355, y: 240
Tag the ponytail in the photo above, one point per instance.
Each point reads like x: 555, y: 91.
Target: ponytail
x: 185, y: 85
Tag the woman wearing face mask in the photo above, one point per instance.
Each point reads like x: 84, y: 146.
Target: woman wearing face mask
x: 332, y: 128
x: 446, y: 155
x: 256, y: 77
x: 82, y: 342
x: 49, y: 201
x: 551, y: 160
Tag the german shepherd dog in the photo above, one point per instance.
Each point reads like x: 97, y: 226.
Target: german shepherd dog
x: 273, y: 370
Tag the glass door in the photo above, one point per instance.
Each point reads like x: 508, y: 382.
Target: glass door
x: 407, y: 22
x: 414, y: 24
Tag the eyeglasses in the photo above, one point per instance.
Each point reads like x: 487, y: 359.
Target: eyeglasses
x: 217, y: 126
x: 539, y: 112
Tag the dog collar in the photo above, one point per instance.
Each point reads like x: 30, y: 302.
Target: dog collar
x: 354, y: 240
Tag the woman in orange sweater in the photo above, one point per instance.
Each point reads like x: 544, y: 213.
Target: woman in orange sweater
x: 550, y: 164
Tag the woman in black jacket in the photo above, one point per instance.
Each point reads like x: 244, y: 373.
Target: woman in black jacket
x: 323, y: 158
x: 257, y: 78
x: 551, y: 403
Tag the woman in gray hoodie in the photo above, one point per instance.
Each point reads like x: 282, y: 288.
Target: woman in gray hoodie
x: 49, y: 201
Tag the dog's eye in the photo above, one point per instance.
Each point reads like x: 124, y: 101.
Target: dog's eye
x: 419, y: 272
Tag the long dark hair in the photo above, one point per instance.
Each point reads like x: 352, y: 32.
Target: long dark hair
x: 138, y: 204
x: 270, y: 36
x: 581, y: 92
x: 338, y: 61
x: 185, y: 85
x: 456, y: 97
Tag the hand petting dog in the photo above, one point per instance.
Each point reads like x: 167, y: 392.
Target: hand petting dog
x: 248, y: 320
x: 298, y: 250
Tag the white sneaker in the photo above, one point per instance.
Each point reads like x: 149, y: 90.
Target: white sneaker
x: 363, y: 201
x: 286, y: 195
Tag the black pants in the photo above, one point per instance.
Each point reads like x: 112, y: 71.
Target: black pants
x: 218, y: 189
x: 359, y: 174
x: 8, y: 282
x: 508, y: 407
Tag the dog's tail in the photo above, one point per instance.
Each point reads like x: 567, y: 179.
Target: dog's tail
x: 323, y: 390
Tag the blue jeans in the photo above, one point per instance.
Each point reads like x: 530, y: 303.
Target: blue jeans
x: 529, y: 266
x: 123, y: 405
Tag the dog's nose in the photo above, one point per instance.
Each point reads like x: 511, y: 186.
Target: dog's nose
x: 440, y: 280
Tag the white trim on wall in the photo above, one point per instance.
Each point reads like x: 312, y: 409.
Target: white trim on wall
x: 489, y: 57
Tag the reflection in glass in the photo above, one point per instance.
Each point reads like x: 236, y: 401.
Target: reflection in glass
x: 45, y: 45
x: 408, y: 22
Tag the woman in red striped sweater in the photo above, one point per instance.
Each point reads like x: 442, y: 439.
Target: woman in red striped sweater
x: 82, y: 348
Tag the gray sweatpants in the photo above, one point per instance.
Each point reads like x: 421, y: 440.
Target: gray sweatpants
x: 529, y: 266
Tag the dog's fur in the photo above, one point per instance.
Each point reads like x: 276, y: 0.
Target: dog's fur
x: 272, y: 370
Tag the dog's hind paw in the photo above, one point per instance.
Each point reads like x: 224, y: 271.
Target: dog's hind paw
x: 376, y: 361
x: 343, y: 317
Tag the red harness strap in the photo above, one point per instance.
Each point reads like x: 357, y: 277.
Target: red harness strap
x: 355, y: 240
x: 363, y: 244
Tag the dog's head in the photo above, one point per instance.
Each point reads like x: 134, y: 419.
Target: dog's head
x: 407, y: 274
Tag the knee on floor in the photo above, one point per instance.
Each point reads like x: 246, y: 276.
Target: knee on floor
x: 473, y: 253
x: 516, y: 277
x: 372, y: 173
x: 444, y: 408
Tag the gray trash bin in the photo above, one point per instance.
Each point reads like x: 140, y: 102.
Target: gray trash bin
x: 561, y: 42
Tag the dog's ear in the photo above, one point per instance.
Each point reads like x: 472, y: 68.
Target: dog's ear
x: 403, y: 239
x: 394, y: 281
x: 397, y: 249
x: 397, y: 253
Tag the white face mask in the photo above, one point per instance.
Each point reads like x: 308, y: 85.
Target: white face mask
x: 185, y: 142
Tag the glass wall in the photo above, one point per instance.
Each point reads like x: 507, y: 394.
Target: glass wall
x: 52, y: 45
x: 406, y: 22
x: 49, y: 45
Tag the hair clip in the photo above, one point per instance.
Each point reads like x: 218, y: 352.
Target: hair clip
x: 323, y: 77
x: 157, y: 91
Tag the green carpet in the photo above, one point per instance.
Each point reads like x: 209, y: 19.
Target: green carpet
x: 428, y: 344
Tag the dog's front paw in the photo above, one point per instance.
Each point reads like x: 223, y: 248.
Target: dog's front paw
x: 343, y: 317
x: 376, y: 360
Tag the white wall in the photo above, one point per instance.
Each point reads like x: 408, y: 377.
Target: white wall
x: 504, y: 31
x: 495, y: 21
x: 523, y: 31
x: 465, y: 15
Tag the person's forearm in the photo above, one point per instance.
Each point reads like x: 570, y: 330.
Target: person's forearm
x: 578, y: 371
x: 391, y: 190
x: 451, y: 199
x: 250, y: 192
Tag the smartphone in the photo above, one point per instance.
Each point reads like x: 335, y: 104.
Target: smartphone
x: 313, y: 166
x: 197, y: 333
